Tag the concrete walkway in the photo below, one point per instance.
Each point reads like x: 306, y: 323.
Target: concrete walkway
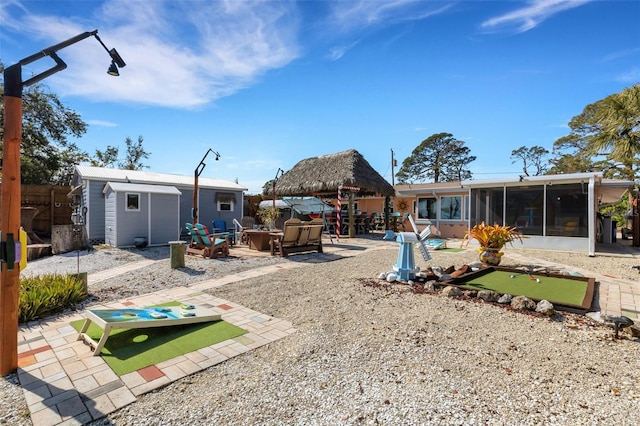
x: 64, y: 384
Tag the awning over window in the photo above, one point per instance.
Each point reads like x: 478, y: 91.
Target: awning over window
x: 306, y: 205
x: 300, y: 205
x: 225, y: 197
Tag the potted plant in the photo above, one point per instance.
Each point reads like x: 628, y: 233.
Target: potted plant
x: 268, y: 216
x: 492, y: 239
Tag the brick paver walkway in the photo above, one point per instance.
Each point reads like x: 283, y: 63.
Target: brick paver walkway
x: 65, y: 384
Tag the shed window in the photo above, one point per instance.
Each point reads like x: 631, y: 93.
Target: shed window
x: 133, y: 202
x: 226, y: 207
x: 225, y: 201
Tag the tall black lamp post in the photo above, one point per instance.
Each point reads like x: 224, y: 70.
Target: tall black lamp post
x: 11, y: 191
x: 196, y: 175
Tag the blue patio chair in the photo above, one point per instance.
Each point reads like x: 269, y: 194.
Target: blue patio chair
x: 221, y: 227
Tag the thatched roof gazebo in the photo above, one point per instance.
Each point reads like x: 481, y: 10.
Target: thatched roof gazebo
x: 321, y: 176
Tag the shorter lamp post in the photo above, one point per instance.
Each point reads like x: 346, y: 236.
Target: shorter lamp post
x: 11, y: 190
x: 279, y: 174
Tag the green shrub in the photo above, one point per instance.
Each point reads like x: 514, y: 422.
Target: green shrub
x: 49, y: 294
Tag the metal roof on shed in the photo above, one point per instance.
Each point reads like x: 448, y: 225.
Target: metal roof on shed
x: 146, y: 177
x: 138, y: 187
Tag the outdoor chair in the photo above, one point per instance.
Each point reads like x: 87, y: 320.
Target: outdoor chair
x: 213, y: 245
x: 221, y: 226
x: 196, y: 244
x: 247, y: 222
x: 289, y: 237
x: 298, y: 236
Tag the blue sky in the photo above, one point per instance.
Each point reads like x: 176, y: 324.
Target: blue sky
x: 269, y: 83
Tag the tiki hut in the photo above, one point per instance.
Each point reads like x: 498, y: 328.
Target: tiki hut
x: 321, y: 176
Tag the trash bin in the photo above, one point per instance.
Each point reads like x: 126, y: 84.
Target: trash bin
x: 606, y: 230
x: 176, y: 251
x: 614, y: 230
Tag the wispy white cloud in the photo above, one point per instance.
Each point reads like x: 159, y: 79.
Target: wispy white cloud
x: 101, y: 123
x: 178, y: 54
x: 621, y: 54
x: 349, y: 16
x: 338, y: 52
x: 351, y: 19
x: 631, y: 76
x: 533, y: 14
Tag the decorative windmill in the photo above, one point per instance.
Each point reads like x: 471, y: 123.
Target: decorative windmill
x: 405, y: 267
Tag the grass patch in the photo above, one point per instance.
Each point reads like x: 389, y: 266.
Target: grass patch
x: 128, y: 350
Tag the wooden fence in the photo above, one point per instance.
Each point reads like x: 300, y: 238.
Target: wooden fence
x: 53, y: 206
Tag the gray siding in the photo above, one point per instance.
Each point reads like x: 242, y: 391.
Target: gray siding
x: 186, y: 203
x: 110, y: 218
x: 208, y: 208
x: 156, y: 220
x: 132, y: 224
x: 95, y: 211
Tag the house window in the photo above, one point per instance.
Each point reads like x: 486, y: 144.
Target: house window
x: 486, y: 206
x: 524, y: 209
x: 451, y: 207
x: 133, y: 202
x: 566, y: 211
x: 427, y: 208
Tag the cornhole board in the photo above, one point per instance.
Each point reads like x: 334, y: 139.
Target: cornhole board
x: 111, y: 319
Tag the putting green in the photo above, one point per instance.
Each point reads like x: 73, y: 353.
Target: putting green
x: 561, y: 290
x: 128, y: 350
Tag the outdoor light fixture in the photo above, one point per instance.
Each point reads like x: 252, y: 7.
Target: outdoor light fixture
x: 11, y: 190
x: 116, y: 59
x: 113, y: 70
x: 196, y: 174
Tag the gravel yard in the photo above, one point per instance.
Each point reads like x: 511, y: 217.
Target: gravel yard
x: 366, y: 354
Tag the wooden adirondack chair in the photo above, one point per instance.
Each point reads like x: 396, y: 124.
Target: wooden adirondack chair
x: 205, y: 244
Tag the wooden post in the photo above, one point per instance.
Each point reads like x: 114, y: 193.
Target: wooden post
x: 194, y: 211
x: 52, y: 208
x: 11, y: 197
x: 176, y: 251
x: 352, y: 229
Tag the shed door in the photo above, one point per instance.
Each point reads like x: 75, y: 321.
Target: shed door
x: 164, y: 219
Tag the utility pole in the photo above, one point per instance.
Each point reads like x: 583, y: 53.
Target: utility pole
x: 393, y: 172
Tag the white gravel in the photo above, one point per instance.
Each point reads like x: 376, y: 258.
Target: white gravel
x: 366, y: 353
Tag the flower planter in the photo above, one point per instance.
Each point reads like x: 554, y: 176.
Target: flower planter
x: 490, y: 256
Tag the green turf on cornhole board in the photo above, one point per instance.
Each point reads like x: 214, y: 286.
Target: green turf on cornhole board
x: 128, y: 350
x: 561, y: 290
